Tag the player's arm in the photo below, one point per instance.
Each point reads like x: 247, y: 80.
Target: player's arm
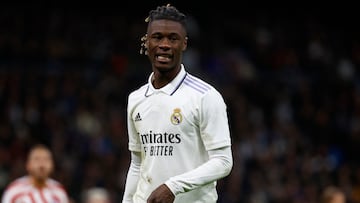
x: 215, y: 134
x: 218, y: 166
x: 4, y: 199
x: 133, y: 174
x: 7, y: 196
x: 64, y: 196
x: 132, y: 177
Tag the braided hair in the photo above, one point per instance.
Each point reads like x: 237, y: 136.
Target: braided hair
x: 167, y: 12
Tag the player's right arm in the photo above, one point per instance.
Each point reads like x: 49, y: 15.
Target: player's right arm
x: 133, y: 174
x: 132, y: 177
x: 8, y: 196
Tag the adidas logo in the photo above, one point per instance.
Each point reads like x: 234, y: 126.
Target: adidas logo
x: 138, y: 117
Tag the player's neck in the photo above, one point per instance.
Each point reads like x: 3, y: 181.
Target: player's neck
x: 159, y: 82
x: 161, y: 79
x: 38, y: 183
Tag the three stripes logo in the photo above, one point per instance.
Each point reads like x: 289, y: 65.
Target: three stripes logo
x: 138, y: 117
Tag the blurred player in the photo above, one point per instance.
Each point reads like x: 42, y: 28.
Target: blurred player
x: 37, y: 186
x: 96, y: 195
x: 177, y: 123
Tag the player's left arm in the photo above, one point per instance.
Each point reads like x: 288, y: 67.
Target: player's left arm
x: 215, y: 133
x: 218, y: 166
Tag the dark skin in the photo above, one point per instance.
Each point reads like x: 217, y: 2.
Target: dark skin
x: 166, y: 41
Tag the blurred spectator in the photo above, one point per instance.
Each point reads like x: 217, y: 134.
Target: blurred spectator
x: 96, y: 195
x: 333, y: 194
x: 37, y: 185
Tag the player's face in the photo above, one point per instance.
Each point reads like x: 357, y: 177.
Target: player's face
x: 39, y: 164
x: 166, y: 41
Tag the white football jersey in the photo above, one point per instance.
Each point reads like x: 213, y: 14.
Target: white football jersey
x: 173, y: 127
x: 22, y: 191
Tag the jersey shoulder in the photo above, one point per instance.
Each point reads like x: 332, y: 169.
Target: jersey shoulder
x: 17, y: 186
x: 139, y: 92
x: 53, y: 182
x: 22, y: 181
x: 197, y: 85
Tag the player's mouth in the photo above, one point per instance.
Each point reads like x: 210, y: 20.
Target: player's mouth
x: 163, y: 58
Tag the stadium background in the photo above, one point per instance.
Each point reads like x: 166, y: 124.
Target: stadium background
x: 289, y: 74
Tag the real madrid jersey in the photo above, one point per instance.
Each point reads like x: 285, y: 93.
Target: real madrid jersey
x: 173, y: 127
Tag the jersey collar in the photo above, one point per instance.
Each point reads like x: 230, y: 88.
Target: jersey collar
x: 170, y: 88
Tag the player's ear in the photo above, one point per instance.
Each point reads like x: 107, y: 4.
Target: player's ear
x: 185, y: 44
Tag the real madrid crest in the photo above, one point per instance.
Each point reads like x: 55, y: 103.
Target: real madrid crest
x: 176, y: 117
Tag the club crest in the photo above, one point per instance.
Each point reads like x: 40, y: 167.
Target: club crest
x: 176, y: 117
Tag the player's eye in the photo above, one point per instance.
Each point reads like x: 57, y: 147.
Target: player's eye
x: 173, y: 39
x: 156, y: 37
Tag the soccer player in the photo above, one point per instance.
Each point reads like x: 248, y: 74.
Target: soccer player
x: 37, y: 186
x: 178, y: 129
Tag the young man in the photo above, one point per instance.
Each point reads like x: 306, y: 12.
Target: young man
x: 177, y: 124
x: 37, y: 186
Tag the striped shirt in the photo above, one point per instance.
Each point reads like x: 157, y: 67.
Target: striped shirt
x: 22, y: 191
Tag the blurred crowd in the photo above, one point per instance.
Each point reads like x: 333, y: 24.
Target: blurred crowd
x: 291, y: 83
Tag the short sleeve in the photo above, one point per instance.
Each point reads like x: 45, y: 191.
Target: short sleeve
x: 214, y: 125
x: 134, y: 142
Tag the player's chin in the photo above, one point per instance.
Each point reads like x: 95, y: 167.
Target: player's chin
x: 40, y: 177
x: 42, y: 174
x: 163, y: 65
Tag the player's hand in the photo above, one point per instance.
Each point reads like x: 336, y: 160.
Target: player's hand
x: 162, y: 194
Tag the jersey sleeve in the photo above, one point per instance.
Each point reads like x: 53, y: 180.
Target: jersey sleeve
x: 11, y: 191
x: 6, y: 197
x: 64, y: 195
x: 214, y: 126
x: 219, y: 165
x: 132, y: 177
x: 134, y: 142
